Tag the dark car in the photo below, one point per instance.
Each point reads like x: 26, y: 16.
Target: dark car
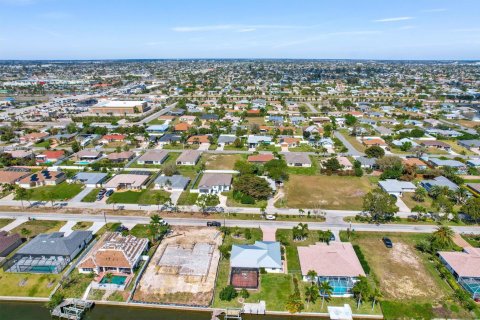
x: 213, y: 224
x: 108, y: 193
x: 388, y: 243
x: 121, y: 228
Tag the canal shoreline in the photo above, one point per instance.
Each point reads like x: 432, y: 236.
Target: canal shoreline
x: 182, y: 308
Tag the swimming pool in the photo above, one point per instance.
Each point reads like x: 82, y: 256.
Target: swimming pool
x: 118, y: 280
x: 82, y: 162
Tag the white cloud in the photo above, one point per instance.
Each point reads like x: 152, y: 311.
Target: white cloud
x: 395, y: 19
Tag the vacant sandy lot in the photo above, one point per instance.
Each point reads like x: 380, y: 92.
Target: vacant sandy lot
x: 182, y: 279
x: 221, y: 161
x: 400, y: 270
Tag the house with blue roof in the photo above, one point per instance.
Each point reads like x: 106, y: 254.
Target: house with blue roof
x: 247, y: 260
x: 157, y: 129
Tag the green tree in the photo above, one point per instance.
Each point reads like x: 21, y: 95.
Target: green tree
x: 332, y: 164
x: 277, y: 169
x: 254, y: 186
x: 22, y: 194
x: 361, y: 290
x: 420, y: 194
x: 311, y: 293
x: 472, y: 208
x: 75, y: 147
x: 374, y: 152
x: 326, y: 291
x: 442, y: 238
x: 228, y: 293
x: 379, y: 205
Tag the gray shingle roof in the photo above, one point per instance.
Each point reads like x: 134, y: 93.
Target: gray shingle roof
x: 176, y: 181
x: 55, y: 244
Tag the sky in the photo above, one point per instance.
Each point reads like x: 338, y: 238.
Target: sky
x: 301, y: 29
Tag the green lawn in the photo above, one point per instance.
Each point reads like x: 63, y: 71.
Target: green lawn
x: 353, y: 141
x: 146, y: 196
x: 220, y: 161
x: 187, y: 199
x: 4, y: 222
x: 27, y: 285
x: 61, y: 192
x: 37, y: 227
x: 75, y: 285
x: 140, y: 231
x: 91, y: 196
x: 285, y: 237
x: 473, y: 239
x: 82, y: 225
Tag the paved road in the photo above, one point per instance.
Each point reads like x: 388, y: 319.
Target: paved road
x: 351, y: 149
x: 312, y: 108
x: 132, y: 220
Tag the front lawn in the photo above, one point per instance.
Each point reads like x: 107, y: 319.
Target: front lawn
x: 36, y: 227
x: 4, y: 222
x: 82, y: 225
x: 232, y: 202
x: 325, y: 192
x: 145, y: 197
x: 91, y: 196
x: 187, y: 199
x: 61, y: 192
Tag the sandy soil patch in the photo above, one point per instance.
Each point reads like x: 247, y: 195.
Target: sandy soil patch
x: 183, y: 269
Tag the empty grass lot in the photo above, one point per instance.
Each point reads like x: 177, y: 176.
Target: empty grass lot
x: 220, y: 161
x: 62, y: 191
x: 326, y: 192
x: 146, y: 196
x: 37, y: 227
x: 408, y: 281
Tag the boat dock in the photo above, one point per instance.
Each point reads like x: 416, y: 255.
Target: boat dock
x: 72, y: 309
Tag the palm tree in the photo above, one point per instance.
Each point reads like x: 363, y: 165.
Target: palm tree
x: 461, y: 195
x: 443, y: 237
x: 326, y: 291
x: 361, y: 290
x: 312, y: 275
x: 374, y: 296
x: 311, y: 293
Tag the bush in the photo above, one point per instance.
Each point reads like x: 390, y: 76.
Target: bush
x: 362, y: 259
x: 244, y: 293
x: 248, y: 234
x: 228, y: 293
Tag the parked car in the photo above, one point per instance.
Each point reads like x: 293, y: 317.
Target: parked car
x: 213, y: 224
x: 270, y: 217
x: 108, y: 193
x: 388, y: 243
x: 121, y: 228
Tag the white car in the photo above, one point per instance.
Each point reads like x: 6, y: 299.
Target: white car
x: 270, y: 217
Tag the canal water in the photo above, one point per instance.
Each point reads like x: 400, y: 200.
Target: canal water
x: 37, y: 311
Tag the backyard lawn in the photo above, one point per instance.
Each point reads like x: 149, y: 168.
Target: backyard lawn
x: 325, y: 192
x: 410, y: 285
x: 75, y: 285
x: 62, y: 191
x: 26, y: 284
x: 4, y: 222
x: 37, y: 227
x: 220, y: 161
x: 145, y: 197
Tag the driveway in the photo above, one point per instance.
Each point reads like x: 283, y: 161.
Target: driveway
x: 402, y: 206
x: 82, y: 194
x: 204, y: 146
x: 174, y: 196
x: 14, y: 224
x: 351, y: 149
x: 67, y: 228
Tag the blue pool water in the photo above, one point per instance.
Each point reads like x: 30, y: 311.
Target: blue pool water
x: 118, y: 280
